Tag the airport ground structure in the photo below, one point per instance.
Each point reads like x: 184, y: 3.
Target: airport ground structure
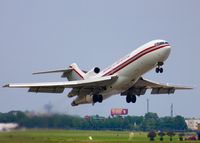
x: 148, y: 122
x: 193, y: 123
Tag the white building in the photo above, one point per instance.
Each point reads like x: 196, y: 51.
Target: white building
x: 192, y: 123
x: 8, y: 126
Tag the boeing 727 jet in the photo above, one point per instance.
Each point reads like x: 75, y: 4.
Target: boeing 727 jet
x: 123, y: 77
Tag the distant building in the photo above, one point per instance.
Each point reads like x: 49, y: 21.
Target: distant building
x: 192, y: 123
x: 8, y: 126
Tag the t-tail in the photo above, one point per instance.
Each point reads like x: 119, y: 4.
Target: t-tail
x: 72, y: 73
x: 76, y: 73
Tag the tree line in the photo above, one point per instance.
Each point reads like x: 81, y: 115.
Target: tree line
x: 149, y: 121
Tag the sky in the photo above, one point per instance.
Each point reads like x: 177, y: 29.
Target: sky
x: 43, y: 35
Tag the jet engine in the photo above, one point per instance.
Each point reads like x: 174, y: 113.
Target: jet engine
x: 92, y: 72
x: 96, y: 70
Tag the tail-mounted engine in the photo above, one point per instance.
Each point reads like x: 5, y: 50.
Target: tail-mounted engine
x: 92, y: 72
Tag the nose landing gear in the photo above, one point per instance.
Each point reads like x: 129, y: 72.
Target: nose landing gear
x: 159, y: 68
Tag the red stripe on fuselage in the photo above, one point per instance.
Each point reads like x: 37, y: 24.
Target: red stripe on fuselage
x: 76, y: 72
x: 134, y: 58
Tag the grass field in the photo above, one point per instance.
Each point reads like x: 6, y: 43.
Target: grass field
x: 76, y: 136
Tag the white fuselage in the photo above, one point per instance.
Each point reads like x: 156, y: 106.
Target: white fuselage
x: 130, y: 68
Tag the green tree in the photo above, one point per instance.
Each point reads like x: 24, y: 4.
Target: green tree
x: 150, y: 121
x: 179, y: 123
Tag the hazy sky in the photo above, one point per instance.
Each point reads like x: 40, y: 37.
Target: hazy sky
x: 41, y: 35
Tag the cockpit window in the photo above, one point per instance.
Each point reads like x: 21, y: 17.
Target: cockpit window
x: 160, y: 43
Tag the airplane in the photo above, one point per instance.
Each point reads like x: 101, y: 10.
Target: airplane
x: 124, y: 77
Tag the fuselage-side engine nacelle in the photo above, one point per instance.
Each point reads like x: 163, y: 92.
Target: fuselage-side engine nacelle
x: 92, y: 72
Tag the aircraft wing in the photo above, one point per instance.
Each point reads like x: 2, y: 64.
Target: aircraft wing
x: 158, y: 88
x: 140, y: 87
x: 58, y: 87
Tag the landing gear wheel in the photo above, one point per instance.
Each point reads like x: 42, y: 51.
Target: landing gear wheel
x: 97, y: 98
x: 133, y: 99
x: 157, y: 70
x: 94, y: 98
x: 161, y: 70
x: 100, y: 98
x: 128, y: 98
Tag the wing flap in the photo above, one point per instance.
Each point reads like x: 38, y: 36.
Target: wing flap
x: 47, y: 89
x: 162, y: 90
x: 153, y: 85
x: 156, y: 88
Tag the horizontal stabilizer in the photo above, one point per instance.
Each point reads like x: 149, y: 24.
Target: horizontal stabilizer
x: 53, y: 71
x: 72, y: 73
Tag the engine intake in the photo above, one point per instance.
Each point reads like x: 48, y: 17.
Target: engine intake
x: 93, y: 72
x: 96, y: 70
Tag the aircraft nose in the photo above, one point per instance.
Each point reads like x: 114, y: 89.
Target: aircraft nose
x: 168, y: 48
x: 166, y: 52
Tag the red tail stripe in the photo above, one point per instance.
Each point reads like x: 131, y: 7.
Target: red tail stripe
x: 76, y: 71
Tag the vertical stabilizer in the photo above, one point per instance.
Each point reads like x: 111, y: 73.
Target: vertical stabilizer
x: 76, y: 73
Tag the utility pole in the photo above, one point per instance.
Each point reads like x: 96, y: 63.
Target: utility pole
x: 172, y: 109
x: 48, y: 107
x: 147, y: 105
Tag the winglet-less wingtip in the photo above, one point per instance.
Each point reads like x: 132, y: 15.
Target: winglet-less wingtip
x: 7, y: 85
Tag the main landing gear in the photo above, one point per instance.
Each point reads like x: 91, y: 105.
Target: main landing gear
x: 97, y: 98
x: 130, y: 98
x: 159, y: 68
